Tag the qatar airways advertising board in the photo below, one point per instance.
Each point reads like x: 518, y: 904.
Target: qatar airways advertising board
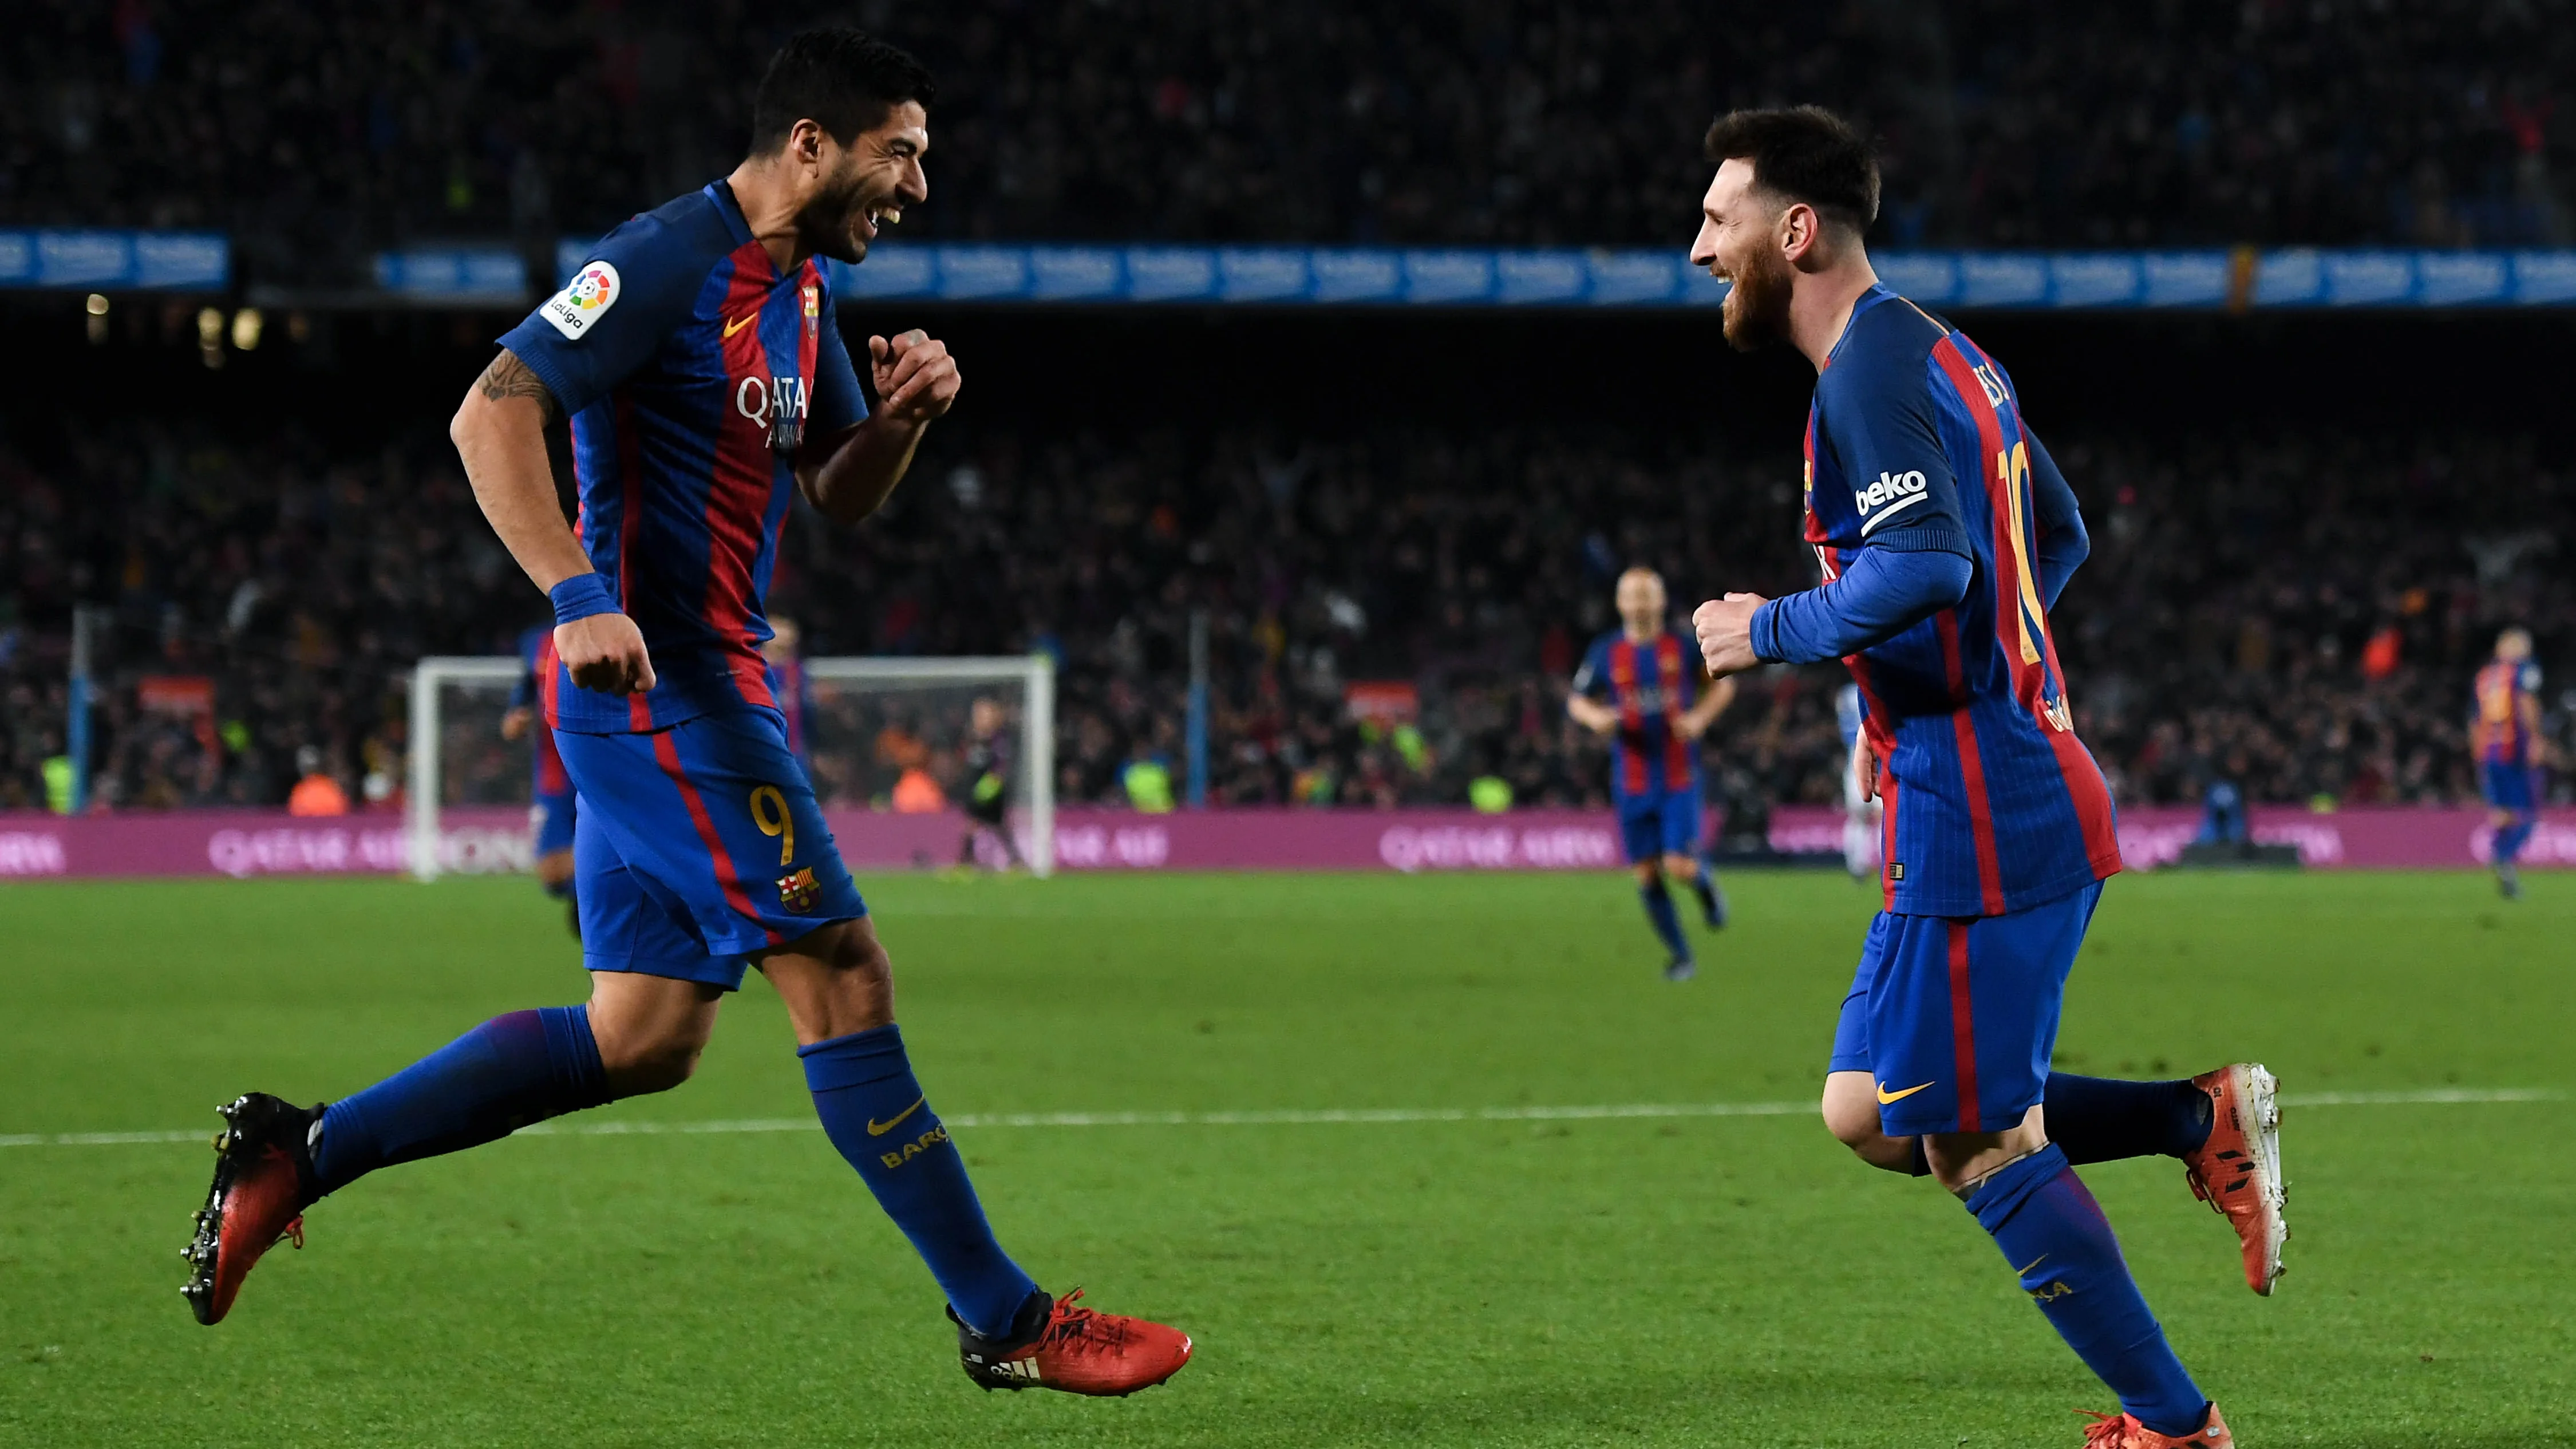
x: 244, y: 844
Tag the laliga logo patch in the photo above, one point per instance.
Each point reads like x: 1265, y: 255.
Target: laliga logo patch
x: 583, y: 301
x: 798, y: 890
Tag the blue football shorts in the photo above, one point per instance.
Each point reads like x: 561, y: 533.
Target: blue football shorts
x: 2508, y: 787
x: 1954, y: 1019
x: 697, y: 845
x: 550, y: 821
x: 1659, y: 823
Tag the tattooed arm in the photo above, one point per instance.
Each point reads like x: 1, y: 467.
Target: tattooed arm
x: 508, y: 377
x: 500, y: 433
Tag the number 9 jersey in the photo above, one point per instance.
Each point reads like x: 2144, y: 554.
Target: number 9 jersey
x: 695, y: 373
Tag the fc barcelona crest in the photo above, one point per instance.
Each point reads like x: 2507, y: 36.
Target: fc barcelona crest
x: 797, y: 890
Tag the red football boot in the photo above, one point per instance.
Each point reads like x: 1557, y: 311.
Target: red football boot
x: 1058, y: 1344
x: 2120, y: 1431
x: 2238, y: 1170
x: 263, y: 1183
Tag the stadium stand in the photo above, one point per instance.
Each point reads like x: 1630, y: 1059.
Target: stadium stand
x: 316, y: 134
x: 2321, y: 650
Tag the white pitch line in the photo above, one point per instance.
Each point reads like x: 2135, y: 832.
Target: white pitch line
x: 1289, y: 1117
x: 2431, y: 1096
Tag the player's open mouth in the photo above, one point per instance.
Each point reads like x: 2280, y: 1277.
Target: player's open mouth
x: 874, y: 215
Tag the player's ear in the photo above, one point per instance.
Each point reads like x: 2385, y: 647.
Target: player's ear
x: 1797, y: 231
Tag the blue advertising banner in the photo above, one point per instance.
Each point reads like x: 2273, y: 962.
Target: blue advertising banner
x: 94, y: 260
x: 2210, y: 279
x: 455, y: 274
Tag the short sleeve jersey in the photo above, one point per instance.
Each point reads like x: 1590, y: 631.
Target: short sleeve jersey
x: 2500, y: 732
x: 1915, y: 442
x: 694, y: 372
x: 1650, y: 683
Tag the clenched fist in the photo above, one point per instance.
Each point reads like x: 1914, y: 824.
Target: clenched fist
x: 1725, y: 629
x: 605, y: 652
x: 916, y: 378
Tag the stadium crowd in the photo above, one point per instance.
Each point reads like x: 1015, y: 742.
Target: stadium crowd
x: 318, y: 133
x: 2299, y: 613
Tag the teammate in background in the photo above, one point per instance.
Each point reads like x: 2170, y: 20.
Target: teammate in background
x: 1944, y: 533
x: 554, y: 806
x: 1640, y: 685
x: 1861, y: 814
x: 698, y: 354
x: 988, y: 783
x: 785, y: 658
x: 2506, y: 735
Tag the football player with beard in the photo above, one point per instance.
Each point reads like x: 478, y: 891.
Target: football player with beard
x: 1944, y: 533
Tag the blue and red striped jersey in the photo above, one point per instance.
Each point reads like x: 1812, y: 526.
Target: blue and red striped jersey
x: 2500, y: 731
x: 537, y: 664
x: 694, y: 372
x: 1650, y: 682
x: 1915, y: 441
x: 787, y: 686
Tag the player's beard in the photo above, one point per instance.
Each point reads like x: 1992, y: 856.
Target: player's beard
x: 1757, y: 307
x: 828, y: 226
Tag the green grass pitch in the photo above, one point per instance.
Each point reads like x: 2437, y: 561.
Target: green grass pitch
x: 1683, y: 1280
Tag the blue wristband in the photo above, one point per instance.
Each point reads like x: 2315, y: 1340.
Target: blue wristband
x: 581, y: 596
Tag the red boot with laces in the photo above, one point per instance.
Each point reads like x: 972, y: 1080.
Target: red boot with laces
x: 1059, y: 1344
x: 263, y: 1183
x: 2120, y: 1431
x: 2238, y: 1170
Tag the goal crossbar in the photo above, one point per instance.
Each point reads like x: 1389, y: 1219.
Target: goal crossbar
x: 1034, y: 673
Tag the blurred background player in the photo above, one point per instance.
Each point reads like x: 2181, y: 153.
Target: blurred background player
x: 553, y: 808
x: 1641, y: 686
x: 1945, y: 532
x: 2506, y: 735
x: 785, y: 656
x: 988, y: 782
x: 1860, y: 809
x: 700, y: 359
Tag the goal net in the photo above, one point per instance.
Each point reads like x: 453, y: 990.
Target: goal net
x: 890, y: 735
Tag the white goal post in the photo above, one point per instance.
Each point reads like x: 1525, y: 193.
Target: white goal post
x: 435, y: 676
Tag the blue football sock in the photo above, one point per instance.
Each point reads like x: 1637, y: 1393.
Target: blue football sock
x: 2510, y: 840
x: 1667, y: 922
x: 1712, y: 901
x: 875, y: 1112
x: 2102, y: 1119
x: 2054, y: 1234
x: 492, y: 1081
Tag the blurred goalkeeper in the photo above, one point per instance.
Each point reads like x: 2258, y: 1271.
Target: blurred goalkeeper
x: 1641, y: 686
x: 988, y: 783
x: 697, y: 354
